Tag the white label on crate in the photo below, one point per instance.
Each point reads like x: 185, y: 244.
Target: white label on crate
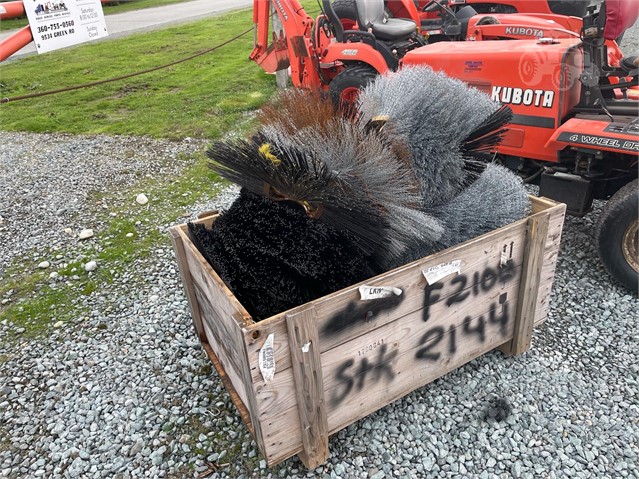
x: 377, y: 292
x: 503, y: 261
x: 435, y: 273
x: 267, y: 359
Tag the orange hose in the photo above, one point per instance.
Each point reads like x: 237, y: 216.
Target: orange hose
x: 11, y: 10
x: 15, y: 42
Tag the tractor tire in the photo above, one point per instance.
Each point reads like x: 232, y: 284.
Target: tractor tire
x: 488, y: 20
x: 617, y: 235
x: 346, y: 10
x: 345, y: 87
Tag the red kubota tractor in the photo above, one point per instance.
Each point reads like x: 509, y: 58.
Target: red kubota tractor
x: 434, y: 18
x: 574, y: 97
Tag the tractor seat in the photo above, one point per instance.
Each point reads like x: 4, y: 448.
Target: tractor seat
x: 371, y: 15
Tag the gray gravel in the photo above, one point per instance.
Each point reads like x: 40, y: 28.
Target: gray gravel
x: 127, y: 392
x: 124, y: 390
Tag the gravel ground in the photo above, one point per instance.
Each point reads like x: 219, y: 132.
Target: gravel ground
x: 125, y: 390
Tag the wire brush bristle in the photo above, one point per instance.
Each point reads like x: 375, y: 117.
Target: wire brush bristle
x: 435, y: 115
x: 348, y: 174
x: 292, y: 110
x: 485, y: 138
x: 497, y: 198
x: 273, y: 257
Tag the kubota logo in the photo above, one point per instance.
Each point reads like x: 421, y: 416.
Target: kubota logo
x: 525, y: 32
x: 520, y: 96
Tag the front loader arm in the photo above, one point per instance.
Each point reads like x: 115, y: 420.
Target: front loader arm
x: 290, y: 46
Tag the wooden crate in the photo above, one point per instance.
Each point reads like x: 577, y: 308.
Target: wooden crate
x: 338, y: 358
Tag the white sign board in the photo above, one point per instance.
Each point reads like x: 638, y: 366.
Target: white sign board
x: 61, y: 23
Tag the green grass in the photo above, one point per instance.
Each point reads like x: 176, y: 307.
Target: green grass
x: 109, y: 8
x: 36, y: 305
x: 204, y: 97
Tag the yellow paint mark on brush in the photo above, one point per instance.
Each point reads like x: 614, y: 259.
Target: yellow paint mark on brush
x: 265, y: 151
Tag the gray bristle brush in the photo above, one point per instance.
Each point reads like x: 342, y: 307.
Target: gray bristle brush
x: 443, y: 121
x: 496, y: 198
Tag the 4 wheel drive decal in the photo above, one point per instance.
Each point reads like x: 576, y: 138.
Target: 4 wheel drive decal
x: 602, y: 141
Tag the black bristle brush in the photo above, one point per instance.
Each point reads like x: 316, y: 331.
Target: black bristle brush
x: 274, y: 257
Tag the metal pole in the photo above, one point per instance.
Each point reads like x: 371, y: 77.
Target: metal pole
x: 281, y: 76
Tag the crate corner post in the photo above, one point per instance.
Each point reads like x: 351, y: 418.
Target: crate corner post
x: 304, y: 348
x: 535, y: 243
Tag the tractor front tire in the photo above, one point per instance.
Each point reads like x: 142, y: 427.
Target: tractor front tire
x: 345, y: 87
x: 617, y: 234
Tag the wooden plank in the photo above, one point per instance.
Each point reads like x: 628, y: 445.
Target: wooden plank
x: 342, y: 316
x: 354, y: 367
x: 227, y: 360
x: 280, y: 426
x: 230, y: 388
x: 362, y: 362
x: 536, y: 236
x: 541, y: 203
x: 231, y: 352
x: 178, y: 246
x: 555, y: 226
x: 307, y: 371
x: 223, y: 318
x: 202, y: 270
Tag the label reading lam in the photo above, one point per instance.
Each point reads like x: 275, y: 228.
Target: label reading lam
x: 377, y: 292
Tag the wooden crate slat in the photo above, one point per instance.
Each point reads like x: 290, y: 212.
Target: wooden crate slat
x: 177, y: 238
x: 556, y: 215
x: 230, y: 388
x: 226, y: 359
x: 304, y: 346
x: 409, y: 278
x: 277, y: 397
x: 536, y: 236
x: 272, y: 396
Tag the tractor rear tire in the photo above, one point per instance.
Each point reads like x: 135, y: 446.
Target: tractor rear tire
x: 346, y: 10
x: 345, y: 87
x: 617, y: 235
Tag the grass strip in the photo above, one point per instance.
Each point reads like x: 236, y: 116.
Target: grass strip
x: 202, y: 98
x: 108, y: 9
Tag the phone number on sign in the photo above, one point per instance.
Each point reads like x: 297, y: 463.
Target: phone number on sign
x: 55, y: 26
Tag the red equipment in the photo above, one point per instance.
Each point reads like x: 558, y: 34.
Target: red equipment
x: 437, y: 18
x: 575, y: 129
